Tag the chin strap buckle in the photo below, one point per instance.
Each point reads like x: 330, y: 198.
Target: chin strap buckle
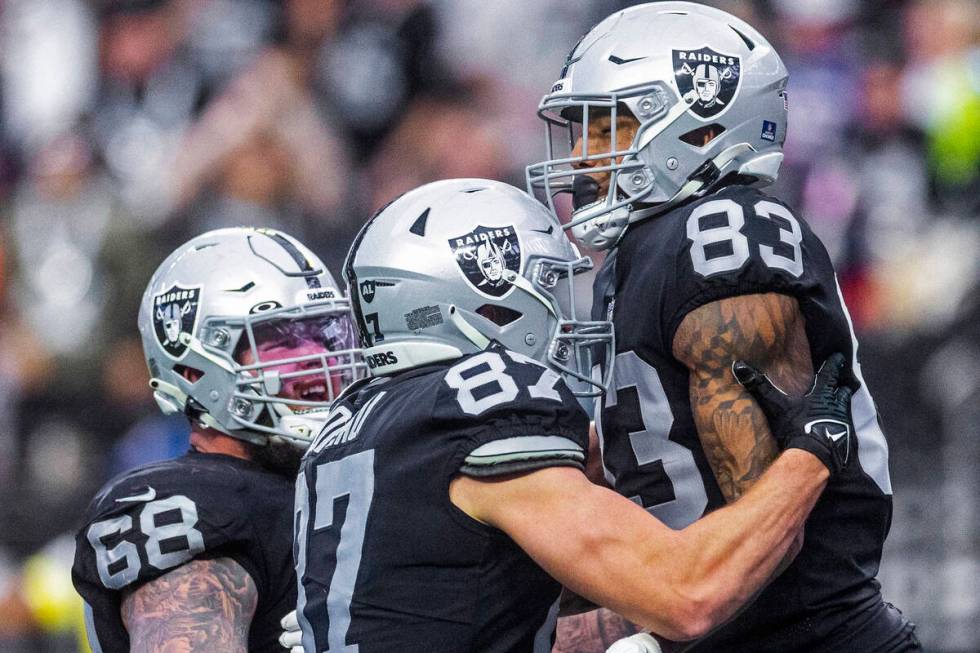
x: 707, y: 173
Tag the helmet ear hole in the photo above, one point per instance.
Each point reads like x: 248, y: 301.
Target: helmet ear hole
x: 192, y: 374
x: 499, y: 315
x: 703, y: 135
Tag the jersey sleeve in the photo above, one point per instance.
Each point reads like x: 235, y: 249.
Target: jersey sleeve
x: 144, y: 524
x: 509, y: 413
x: 738, y: 241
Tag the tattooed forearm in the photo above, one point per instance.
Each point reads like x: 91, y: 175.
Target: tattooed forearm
x: 204, y: 605
x: 591, y: 632
x: 767, y: 331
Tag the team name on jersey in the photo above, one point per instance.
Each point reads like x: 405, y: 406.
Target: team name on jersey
x: 704, y: 57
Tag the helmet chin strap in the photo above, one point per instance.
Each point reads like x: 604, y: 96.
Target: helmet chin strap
x: 172, y: 401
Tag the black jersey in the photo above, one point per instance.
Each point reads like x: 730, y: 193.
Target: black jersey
x: 385, y: 561
x: 734, y: 242
x: 148, y: 521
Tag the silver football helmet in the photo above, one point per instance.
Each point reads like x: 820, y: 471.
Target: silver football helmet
x: 246, y: 332
x: 452, y: 265
x: 707, y: 90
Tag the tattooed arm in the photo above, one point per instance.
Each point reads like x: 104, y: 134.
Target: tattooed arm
x: 767, y: 331
x: 591, y: 632
x: 204, y: 605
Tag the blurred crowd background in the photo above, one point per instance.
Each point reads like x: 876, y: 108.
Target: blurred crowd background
x: 129, y: 126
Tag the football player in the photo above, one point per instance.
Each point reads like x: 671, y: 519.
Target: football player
x: 444, y: 501
x: 674, y: 115
x: 246, y: 333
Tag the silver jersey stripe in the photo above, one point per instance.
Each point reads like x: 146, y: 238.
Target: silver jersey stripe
x: 528, y: 447
x: 93, y: 637
x: 302, y: 502
x: 872, y: 446
x: 542, y: 638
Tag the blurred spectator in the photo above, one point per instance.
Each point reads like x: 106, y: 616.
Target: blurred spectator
x: 376, y: 61
x: 65, y: 199
x: 261, y: 154
x: 129, y: 126
x: 38, y: 599
x: 445, y: 136
x: 47, y: 63
x: 943, y: 94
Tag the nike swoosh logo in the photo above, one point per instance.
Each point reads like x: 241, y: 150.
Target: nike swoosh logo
x: 619, y: 62
x: 546, y: 232
x: 149, y: 495
x: 836, y: 436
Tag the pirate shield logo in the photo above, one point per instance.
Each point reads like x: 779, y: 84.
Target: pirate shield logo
x: 707, y: 80
x: 484, y: 254
x: 175, y: 312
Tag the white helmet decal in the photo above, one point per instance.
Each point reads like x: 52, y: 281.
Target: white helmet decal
x: 175, y: 312
x: 707, y: 80
x: 484, y: 254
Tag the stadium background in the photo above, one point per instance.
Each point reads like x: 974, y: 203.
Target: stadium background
x: 127, y: 126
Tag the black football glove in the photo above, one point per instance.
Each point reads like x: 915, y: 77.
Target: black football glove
x: 820, y: 422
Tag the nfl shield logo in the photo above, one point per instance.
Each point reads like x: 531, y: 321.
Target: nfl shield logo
x: 707, y: 80
x: 175, y: 312
x: 485, y: 254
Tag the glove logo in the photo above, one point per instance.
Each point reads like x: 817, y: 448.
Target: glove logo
x: 837, y: 434
x: 175, y: 312
x: 485, y: 254
x: 707, y: 80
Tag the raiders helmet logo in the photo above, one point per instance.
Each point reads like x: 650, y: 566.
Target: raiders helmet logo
x: 707, y: 80
x: 484, y: 254
x: 175, y: 312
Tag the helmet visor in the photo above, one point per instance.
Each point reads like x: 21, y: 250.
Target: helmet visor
x: 300, y: 362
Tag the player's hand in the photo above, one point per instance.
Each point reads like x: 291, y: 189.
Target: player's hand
x: 820, y: 422
x: 292, y: 637
x: 639, y: 643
